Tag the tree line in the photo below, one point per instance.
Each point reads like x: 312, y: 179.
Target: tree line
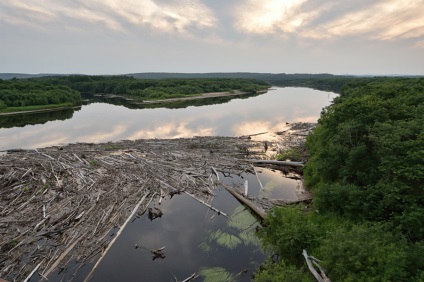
x: 154, y: 88
x: 47, y: 91
x: 366, y: 171
x: 24, y: 93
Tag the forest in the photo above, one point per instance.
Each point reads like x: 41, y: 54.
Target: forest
x: 151, y: 89
x: 44, y: 92
x: 366, y: 171
x: 28, y: 94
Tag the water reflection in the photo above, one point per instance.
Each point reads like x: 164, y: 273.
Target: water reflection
x: 133, y: 104
x: 195, y: 239
x: 100, y: 122
x: 21, y: 120
x: 185, y: 230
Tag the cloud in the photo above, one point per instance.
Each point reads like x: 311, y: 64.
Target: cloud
x: 419, y: 44
x: 381, y: 20
x: 180, y: 16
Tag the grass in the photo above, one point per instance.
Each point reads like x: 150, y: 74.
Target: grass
x: 35, y: 108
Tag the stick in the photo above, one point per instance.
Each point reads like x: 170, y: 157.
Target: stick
x: 209, y: 206
x: 116, y: 237
x: 32, y: 272
x: 63, y: 255
x: 216, y: 173
x: 246, y: 188
x: 297, y: 164
x: 257, y: 176
x: 312, y: 269
x: 191, y: 277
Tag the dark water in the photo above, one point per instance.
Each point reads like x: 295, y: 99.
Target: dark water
x: 196, y: 239
x: 101, y: 122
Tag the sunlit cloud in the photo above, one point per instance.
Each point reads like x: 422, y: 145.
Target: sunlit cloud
x: 179, y: 16
x: 419, y: 44
x: 382, y: 20
x: 269, y: 15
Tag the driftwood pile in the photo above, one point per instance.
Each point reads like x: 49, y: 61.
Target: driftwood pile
x: 63, y: 204
x: 59, y: 204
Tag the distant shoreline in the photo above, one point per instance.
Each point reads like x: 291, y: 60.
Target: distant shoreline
x: 39, y: 110
x: 201, y: 96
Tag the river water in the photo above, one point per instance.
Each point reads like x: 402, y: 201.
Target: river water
x: 102, y: 122
x: 196, y: 239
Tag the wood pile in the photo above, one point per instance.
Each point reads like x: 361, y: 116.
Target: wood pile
x: 65, y: 204
x: 61, y: 204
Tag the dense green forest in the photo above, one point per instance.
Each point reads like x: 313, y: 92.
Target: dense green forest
x: 27, y: 94
x: 151, y: 89
x: 19, y: 94
x: 366, y: 171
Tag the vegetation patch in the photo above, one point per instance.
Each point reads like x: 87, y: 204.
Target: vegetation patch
x: 366, y: 222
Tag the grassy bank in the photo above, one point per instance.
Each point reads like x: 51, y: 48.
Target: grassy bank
x: 36, y: 108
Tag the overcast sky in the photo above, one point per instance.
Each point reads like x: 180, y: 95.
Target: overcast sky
x: 127, y: 36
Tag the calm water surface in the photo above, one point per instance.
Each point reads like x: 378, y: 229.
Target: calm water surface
x: 102, y: 122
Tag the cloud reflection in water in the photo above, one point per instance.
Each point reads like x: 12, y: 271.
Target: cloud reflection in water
x: 101, y: 122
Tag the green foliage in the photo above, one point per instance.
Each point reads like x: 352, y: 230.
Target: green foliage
x: 281, y: 272
x: 367, y: 152
x: 25, y: 93
x: 290, y: 230
x: 363, y: 252
x: 216, y: 274
x: 151, y: 89
x: 349, y: 251
x: 367, y: 173
x: 293, y: 154
x: 240, y: 230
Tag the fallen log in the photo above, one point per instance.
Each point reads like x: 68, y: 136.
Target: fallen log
x: 297, y: 164
x: 319, y: 277
x: 246, y: 202
x: 116, y: 237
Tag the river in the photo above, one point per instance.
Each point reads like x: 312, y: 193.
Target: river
x: 196, y: 239
x: 99, y: 122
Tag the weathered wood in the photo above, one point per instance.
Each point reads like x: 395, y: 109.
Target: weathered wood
x: 32, y: 272
x: 63, y: 255
x: 209, y: 206
x: 296, y: 164
x: 87, y: 188
x: 116, y: 237
x: 246, y: 202
x: 315, y: 273
x: 191, y: 277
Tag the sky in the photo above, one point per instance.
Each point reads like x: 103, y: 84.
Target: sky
x: 375, y: 37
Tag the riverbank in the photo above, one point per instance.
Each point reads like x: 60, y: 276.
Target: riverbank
x: 41, y: 110
x: 61, y: 204
x: 202, y: 96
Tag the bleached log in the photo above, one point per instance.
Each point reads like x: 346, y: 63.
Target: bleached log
x: 191, y: 277
x: 315, y: 273
x: 296, y: 164
x: 32, y: 272
x: 116, y: 237
x: 63, y: 255
x: 257, y: 177
x: 246, y: 202
x: 209, y: 206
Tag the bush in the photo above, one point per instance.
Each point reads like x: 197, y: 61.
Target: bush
x: 281, y: 272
